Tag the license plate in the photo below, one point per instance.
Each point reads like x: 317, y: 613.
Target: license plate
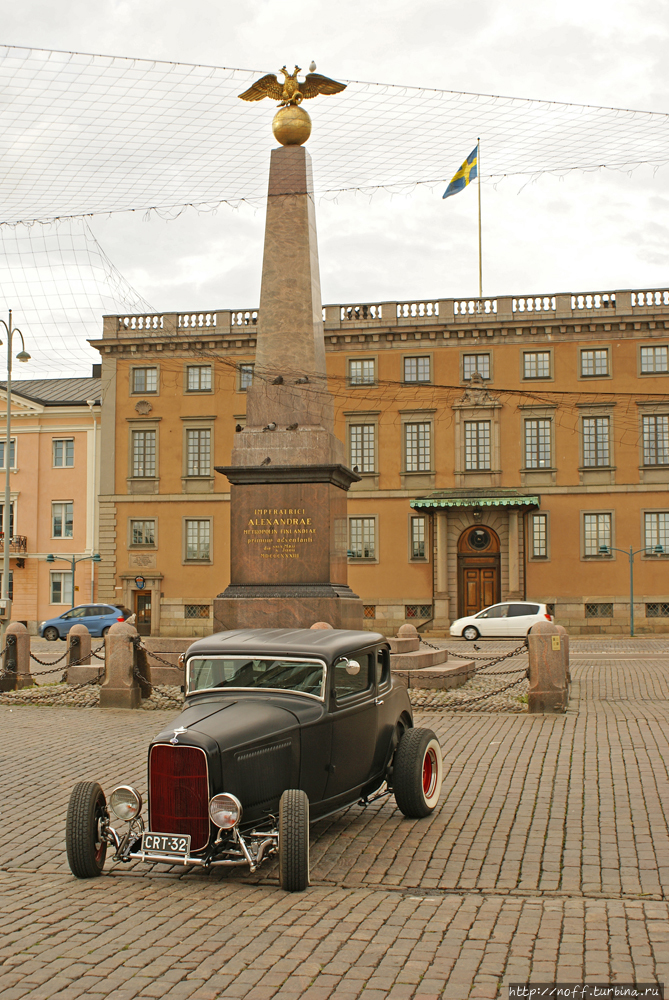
x: 166, y: 843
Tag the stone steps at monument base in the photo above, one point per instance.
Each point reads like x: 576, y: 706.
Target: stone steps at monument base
x: 418, y: 659
x: 403, y: 645
x: 457, y: 673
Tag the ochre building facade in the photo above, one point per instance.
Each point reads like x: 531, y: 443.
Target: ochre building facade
x: 507, y: 447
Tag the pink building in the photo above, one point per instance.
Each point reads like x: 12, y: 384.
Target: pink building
x: 54, y: 462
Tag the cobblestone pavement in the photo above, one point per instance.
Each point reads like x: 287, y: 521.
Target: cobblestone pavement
x: 547, y: 859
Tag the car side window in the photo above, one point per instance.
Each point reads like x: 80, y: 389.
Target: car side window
x: 346, y: 684
x: 94, y: 612
x: 517, y: 610
x: 499, y: 611
x: 75, y: 613
x: 382, y: 667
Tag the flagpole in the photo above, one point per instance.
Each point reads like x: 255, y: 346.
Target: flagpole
x: 478, y: 174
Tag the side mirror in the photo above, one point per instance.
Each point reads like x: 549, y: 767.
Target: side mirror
x: 352, y: 667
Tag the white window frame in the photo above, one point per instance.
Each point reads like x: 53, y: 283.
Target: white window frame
x: 134, y: 463
x: 417, y: 445
x: 594, y: 439
x: 363, y: 451
x: 468, y: 369
x: 596, y: 520
x: 144, y: 368
x: 366, y: 375
x: 200, y: 560
x: 659, y: 534
x: 416, y: 522
x: 63, y: 504
x: 366, y: 529
x: 651, y: 420
x: 416, y: 359
x: 132, y: 544
x: 538, y: 443
x: 597, y: 354
x: 245, y: 374
x: 199, y: 369
x: 12, y: 453
x: 658, y: 350
x: 62, y: 441
x: 198, y: 459
x: 536, y: 355
x: 472, y: 461
x: 539, y: 531
x: 65, y: 587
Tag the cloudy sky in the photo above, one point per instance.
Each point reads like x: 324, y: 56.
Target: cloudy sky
x: 584, y: 232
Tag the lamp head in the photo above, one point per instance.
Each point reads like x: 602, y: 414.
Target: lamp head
x: 50, y: 558
x: 658, y: 550
x: 604, y: 550
x: 97, y: 557
x: 23, y: 356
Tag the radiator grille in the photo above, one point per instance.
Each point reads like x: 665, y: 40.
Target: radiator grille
x: 179, y: 792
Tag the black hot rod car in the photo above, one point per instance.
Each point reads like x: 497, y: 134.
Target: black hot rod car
x: 280, y: 727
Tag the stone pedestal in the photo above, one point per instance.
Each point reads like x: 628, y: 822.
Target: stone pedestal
x: 120, y: 688
x: 17, y: 658
x: 288, y: 481
x: 549, y: 690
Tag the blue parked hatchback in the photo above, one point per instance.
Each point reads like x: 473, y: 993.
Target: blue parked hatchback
x: 98, y: 619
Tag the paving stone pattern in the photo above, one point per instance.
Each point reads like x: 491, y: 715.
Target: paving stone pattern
x: 548, y: 859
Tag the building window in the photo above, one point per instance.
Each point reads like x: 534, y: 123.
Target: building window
x: 61, y: 520
x: 12, y: 453
x: 143, y: 453
x: 369, y: 611
x: 539, y: 536
x: 656, y: 530
x: 537, y: 364
x: 604, y: 610
x: 362, y: 538
x: 475, y: 363
x: 594, y: 363
x: 145, y: 380
x: 596, y: 533
x: 2, y: 520
x: 197, y: 610
x: 596, y: 441
x: 361, y: 372
x: 417, y: 611
x: 418, y: 538
x: 654, y: 359
x: 537, y: 444
x: 655, y: 440
x: 362, y: 444
x: 143, y: 532
x: 198, y: 452
x: 10, y: 587
x: 198, y: 378
x: 477, y: 445
x: 61, y: 587
x: 659, y: 610
x: 417, y: 369
x: 245, y: 376
x: 198, y: 546
x: 63, y: 453
x: 417, y: 447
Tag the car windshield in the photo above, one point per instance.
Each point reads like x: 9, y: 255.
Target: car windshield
x: 307, y: 676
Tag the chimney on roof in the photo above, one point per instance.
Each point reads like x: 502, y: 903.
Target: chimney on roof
x: 97, y: 371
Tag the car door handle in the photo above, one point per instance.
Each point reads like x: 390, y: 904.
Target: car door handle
x: 378, y: 701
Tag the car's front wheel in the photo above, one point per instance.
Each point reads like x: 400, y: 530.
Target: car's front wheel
x: 294, y: 840
x: 86, y: 818
x: 417, y: 773
x: 51, y: 633
x: 470, y: 633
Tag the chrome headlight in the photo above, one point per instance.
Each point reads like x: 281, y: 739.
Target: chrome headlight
x: 125, y: 802
x: 225, y: 811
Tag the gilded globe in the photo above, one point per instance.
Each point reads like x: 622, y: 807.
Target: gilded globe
x: 291, y: 126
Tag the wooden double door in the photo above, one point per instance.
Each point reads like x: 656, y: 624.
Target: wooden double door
x: 478, y: 570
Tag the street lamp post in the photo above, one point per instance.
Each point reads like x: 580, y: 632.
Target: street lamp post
x: 96, y: 557
x: 6, y: 519
x: 657, y: 550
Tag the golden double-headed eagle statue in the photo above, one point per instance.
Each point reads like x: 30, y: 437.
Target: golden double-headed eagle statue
x: 291, y: 91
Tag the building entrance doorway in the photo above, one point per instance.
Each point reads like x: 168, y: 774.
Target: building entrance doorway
x: 478, y: 569
x: 143, y: 611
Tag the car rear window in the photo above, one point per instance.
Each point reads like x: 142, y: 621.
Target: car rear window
x: 523, y: 609
x: 306, y: 676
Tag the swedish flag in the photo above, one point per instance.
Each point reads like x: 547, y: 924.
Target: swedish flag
x: 465, y: 175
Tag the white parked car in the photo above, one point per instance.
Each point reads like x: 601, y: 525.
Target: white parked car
x: 501, y: 621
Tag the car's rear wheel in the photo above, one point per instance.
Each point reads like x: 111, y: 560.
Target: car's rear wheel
x: 51, y: 633
x: 105, y: 631
x: 470, y: 633
x: 86, y: 816
x: 294, y: 840
x: 417, y: 773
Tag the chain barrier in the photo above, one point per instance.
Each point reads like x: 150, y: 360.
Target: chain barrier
x: 463, y: 705
x: 45, y: 663
x: 52, y: 670
x: 458, y: 654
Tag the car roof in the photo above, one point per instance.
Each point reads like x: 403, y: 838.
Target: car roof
x: 326, y: 643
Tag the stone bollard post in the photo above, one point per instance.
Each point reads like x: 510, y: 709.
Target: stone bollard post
x: 548, y: 678
x: 120, y: 688
x: 318, y: 625
x: 17, y: 658
x: 78, y: 646
x: 564, y: 637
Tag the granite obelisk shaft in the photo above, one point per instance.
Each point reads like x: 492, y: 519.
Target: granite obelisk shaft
x: 288, y: 524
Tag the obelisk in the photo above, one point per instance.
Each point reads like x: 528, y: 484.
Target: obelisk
x: 288, y: 479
